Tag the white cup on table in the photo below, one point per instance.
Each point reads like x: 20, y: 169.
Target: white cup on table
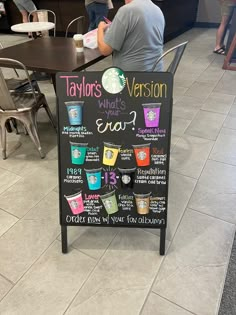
x: 79, y: 44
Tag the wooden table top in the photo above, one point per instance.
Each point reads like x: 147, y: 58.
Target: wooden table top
x: 51, y: 55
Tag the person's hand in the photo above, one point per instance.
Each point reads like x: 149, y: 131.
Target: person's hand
x: 103, y: 26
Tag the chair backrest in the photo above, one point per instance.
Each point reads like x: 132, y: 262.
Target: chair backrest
x: 79, y: 25
x: 47, y: 15
x: 179, y: 50
x: 5, y: 96
x: 17, y: 74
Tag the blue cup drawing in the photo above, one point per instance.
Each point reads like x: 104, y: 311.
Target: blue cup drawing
x: 94, y: 178
x: 78, y: 152
x: 75, y: 112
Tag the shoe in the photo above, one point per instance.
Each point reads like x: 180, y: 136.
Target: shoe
x: 39, y: 35
x: 220, y: 51
x: 30, y: 36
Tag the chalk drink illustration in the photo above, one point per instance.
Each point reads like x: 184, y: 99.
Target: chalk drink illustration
x: 109, y: 201
x: 75, y: 112
x: 75, y: 202
x: 142, y: 154
x: 151, y: 113
x: 78, y: 152
x: 110, y: 153
x: 127, y: 176
x: 142, y: 202
x: 94, y: 178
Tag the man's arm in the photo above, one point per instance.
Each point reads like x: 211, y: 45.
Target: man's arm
x: 102, y: 46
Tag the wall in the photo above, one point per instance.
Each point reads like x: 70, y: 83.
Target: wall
x: 208, y: 11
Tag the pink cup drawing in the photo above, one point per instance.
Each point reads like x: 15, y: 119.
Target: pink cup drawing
x: 75, y: 202
x: 151, y: 114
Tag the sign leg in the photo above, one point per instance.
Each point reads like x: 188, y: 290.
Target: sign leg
x: 162, y: 241
x: 64, y: 239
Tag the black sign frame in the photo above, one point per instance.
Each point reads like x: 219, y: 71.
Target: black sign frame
x: 146, y: 88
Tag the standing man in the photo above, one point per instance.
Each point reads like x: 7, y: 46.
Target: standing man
x: 227, y: 7
x: 96, y: 10
x: 135, y: 37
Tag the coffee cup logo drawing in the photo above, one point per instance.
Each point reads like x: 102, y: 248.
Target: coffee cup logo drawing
x: 113, y: 80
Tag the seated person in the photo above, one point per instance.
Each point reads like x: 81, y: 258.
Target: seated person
x: 135, y: 36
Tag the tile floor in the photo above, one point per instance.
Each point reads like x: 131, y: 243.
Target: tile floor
x: 119, y: 271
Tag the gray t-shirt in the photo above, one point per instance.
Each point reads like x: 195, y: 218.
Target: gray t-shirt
x: 136, y: 36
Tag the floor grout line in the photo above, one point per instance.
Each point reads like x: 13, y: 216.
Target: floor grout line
x: 89, y: 275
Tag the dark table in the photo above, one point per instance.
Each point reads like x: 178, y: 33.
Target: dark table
x: 51, y: 55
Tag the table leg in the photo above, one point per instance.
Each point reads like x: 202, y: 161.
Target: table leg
x: 53, y: 77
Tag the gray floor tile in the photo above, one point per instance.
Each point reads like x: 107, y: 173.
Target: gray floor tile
x: 23, y: 244
x: 218, y: 103
x: 200, y: 90
x: 93, y: 241
x: 120, y: 279
x: 206, y: 125
x: 27, y: 192
x: 174, y: 140
x: 5, y: 286
x: 50, y: 284
x: 227, y: 83
x: 180, y: 191
x: 47, y: 209
x: 7, y: 179
x: 184, y: 111
x: 211, y: 75
x: 189, y: 155
x: 194, y: 269
x: 6, y: 221
x: 156, y: 305
x: 189, y: 101
x: 215, y: 193
x: 179, y: 126
x: 230, y: 121
x: 224, y: 149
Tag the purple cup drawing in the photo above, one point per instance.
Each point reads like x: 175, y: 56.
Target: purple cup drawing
x: 152, y: 114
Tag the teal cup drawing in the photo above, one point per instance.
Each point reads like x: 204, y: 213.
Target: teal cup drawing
x: 75, y: 112
x: 94, y: 178
x: 78, y: 152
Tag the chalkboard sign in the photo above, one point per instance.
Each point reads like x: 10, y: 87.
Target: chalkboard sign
x: 114, y: 141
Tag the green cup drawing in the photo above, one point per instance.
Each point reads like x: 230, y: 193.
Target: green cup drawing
x: 109, y: 201
x: 142, y: 202
x: 78, y: 152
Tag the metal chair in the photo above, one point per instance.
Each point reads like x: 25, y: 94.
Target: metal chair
x: 47, y: 15
x: 22, y: 107
x: 79, y: 25
x: 20, y: 85
x: 179, y: 50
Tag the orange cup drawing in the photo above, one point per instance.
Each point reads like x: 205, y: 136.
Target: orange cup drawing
x: 142, y: 154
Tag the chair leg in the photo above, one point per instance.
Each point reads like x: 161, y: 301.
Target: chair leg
x: 30, y: 124
x: 14, y: 123
x: 45, y: 105
x: 3, y: 139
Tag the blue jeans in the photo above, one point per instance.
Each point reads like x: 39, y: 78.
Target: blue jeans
x: 96, y: 12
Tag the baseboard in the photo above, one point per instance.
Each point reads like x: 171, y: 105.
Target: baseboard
x: 206, y: 24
